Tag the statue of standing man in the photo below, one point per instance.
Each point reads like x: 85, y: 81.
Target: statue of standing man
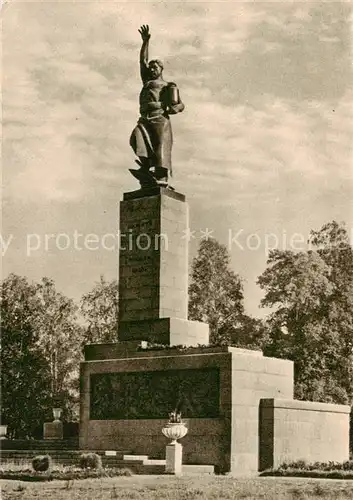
x: 152, y: 137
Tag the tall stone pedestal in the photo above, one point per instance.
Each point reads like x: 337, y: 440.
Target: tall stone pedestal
x: 153, y: 270
x: 174, y: 459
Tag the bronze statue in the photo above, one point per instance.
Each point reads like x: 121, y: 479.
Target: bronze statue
x: 152, y: 137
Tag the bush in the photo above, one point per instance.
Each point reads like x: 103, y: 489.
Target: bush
x: 65, y: 474
x: 41, y: 463
x: 318, y: 466
x: 124, y: 471
x: 348, y: 465
x: 71, y: 430
x: 337, y: 470
x: 90, y: 461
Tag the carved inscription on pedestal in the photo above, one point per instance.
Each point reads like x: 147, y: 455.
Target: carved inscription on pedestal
x: 139, y: 395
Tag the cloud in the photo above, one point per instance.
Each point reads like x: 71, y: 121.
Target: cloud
x: 77, y: 83
x: 265, y: 139
x: 71, y: 87
x: 280, y: 149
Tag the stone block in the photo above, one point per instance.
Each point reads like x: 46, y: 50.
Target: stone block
x: 120, y: 349
x: 137, y: 293
x: 155, y: 191
x: 140, y: 315
x: 53, y: 430
x: 244, y: 352
x: 138, y: 304
x: 169, y: 331
x: 245, y: 439
x: 174, y: 459
x: 188, y: 333
x: 158, y: 217
x: 268, y: 365
x: 244, y: 464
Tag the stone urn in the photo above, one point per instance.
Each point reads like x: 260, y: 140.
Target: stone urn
x: 175, y: 431
x: 57, y: 414
x: 3, y: 431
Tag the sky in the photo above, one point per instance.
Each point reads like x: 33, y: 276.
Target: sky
x: 263, y: 150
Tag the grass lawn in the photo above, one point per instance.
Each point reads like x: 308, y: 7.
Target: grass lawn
x: 184, y: 488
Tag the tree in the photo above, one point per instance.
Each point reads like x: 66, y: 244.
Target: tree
x: 249, y: 333
x: 41, y: 350
x: 25, y: 374
x: 215, y: 291
x: 60, y: 340
x: 100, y: 309
x: 313, y: 319
x: 334, y: 247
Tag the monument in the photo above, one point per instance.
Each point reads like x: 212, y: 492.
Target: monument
x: 239, y: 405
x: 152, y: 137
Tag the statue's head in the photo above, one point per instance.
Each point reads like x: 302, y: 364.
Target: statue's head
x: 156, y: 68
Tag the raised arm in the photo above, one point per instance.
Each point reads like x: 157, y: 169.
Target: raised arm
x: 145, y: 35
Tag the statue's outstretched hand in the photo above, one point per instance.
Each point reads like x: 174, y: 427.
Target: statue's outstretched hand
x: 145, y: 32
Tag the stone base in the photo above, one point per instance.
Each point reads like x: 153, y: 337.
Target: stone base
x: 226, y: 437
x: 53, y: 430
x: 168, y: 331
x: 174, y: 459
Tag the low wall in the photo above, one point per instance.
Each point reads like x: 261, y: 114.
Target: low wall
x: 300, y: 430
x: 202, y: 444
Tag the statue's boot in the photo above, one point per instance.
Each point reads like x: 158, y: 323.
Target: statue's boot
x: 143, y: 175
x: 161, y: 174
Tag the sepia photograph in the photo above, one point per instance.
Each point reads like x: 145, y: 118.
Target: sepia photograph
x: 176, y: 294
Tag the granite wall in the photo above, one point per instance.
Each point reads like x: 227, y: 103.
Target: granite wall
x: 301, y: 430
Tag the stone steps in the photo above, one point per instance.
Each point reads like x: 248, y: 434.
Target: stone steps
x: 135, y: 467
x: 63, y: 457
x: 5, y: 454
x: 188, y: 469
x: 138, y: 464
x: 66, y: 457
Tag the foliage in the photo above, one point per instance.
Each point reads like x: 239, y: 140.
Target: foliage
x: 40, y: 353
x: 215, y: 291
x: 25, y: 381
x: 65, y: 474
x: 100, y: 310
x: 60, y: 340
x: 90, y: 461
x: 216, y: 298
x: 312, y: 293
x: 300, y: 468
x: 41, y: 349
x: 175, y: 417
x: 42, y: 463
x: 151, y: 346
x: 124, y: 471
x: 249, y: 333
x: 319, y: 474
x: 324, y: 466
